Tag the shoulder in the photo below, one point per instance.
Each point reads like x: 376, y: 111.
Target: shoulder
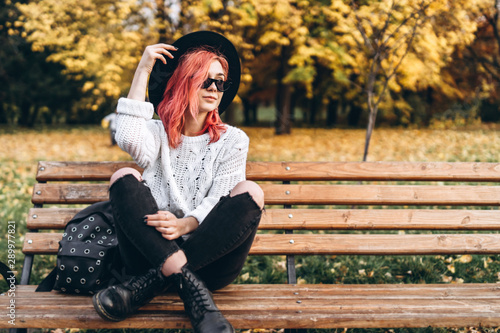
x: 235, y: 135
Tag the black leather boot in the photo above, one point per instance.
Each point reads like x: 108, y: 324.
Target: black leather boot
x: 198, y: 302
x: 116, y: 303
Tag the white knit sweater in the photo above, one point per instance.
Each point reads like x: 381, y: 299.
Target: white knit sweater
x: 190, y: 179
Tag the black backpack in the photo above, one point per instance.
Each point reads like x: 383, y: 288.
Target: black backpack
x: 88, y: 258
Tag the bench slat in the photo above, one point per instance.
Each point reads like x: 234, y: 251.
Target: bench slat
x: 381, y: 195
x: 470, y: 314
x: 384, y: 171
x: 69, y: 193
x: 80, y: 171
x: 320, y: 306
x: 361, y: 291
x: 425, y: 171
x: 380, y: 219
x: 327, y: 219
x: 333, y: 244
x: 276, y: 194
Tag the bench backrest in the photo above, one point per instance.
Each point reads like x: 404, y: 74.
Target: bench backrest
x: 332, y: 198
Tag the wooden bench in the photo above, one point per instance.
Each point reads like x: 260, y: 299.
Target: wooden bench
x: 313, y: 209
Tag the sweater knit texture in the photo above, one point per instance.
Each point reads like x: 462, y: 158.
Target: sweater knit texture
x: 190, y: 179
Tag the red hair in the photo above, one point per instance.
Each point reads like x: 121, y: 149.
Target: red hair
x: 181, y: 94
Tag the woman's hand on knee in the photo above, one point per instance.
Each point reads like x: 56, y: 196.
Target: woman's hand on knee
x: 169, y: 225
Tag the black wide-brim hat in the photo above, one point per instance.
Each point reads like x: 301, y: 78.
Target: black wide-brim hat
x: 161, y: 73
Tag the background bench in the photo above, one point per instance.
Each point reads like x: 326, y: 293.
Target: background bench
x: 310, y: 208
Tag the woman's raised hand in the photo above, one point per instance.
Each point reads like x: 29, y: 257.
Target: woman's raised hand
x: 153, y: 53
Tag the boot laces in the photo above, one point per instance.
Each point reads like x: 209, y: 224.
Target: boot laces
x: 200, y: 299
x: 140, y: 284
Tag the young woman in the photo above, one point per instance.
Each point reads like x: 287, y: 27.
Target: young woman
x: 189, y: 220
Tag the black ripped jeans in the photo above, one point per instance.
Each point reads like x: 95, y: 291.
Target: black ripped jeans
x: 216, y: 250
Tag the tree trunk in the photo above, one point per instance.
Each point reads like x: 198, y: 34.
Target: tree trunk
x: 293, y: 103
x: 3, y: 114
x: 354, y: 115
x: 283, y: 95
x: 313, y: 110
x: 283, y: 123
x: 24, y: 118
x: 229, y: 114
x: 369, y: 130
x: 331, y: 116
x: 317, y: 99
x: 247, y: 108
x: 34, y: 115
x: 429, y: 106
x: 253, y: 108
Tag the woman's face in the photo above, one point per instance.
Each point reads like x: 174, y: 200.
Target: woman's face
x: 209, y: 98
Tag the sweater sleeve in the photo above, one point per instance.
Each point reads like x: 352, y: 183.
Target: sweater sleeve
x: 136, y: 132
x: 230, y: 170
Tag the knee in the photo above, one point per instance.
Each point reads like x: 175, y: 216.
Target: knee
x: 123, y: 172
x: 253, y: 189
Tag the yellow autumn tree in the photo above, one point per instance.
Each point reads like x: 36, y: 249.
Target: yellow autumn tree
x: 391, y: 45
x: 267, y: 34
x: 324, y: 51
x: 97, y: 41
x: 477, y: 66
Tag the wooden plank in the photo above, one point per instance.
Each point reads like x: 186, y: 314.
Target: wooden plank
x: 292, y: 171
x: 384, y: 171
x: 380, y: 219
x: 80, y: 171
x: 332, y: 244
x: 328, y: 219
x: 294, y: 291
x: 380, y: 195
x: 172, y: 303
x: 41, y: 243
x: 349, y: 244
x: 276, y: 194
x: 50, y: 218
x: 284, y: 306
x: 483, y: 316
x: 69, y: 193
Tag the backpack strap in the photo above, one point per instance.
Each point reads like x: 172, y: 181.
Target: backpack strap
x: 48, y: 283
x: 7, y: 273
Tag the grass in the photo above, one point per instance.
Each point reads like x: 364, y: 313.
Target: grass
x: 21, y: 149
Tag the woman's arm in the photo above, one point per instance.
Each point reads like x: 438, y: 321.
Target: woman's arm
x: 135, y: 134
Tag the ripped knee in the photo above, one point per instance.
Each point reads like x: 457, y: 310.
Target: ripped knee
x: 253, y: 189
x: 123, y: 172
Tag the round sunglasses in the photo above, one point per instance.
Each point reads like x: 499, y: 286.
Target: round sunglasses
x: 221, y: 85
